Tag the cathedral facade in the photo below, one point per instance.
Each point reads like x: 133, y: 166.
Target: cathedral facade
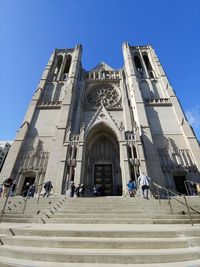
x: 104, y: 126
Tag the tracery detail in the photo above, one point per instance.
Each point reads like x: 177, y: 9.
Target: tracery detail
x: 106, y: 96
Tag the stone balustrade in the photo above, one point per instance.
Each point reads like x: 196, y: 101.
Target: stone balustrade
x: 103, y: 75
x: 49, y: 104
x: 158, y: 101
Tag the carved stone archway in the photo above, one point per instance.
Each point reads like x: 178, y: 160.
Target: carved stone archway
x: 102, y: 161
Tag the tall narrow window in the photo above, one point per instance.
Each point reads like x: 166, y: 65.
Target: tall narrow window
x: 57, y: 68
x: 137, y: 62
x: 134, y: 152
x: 129, y: 152
x: 138, y: 66
x: 67, y: 67
x: 148, y: 66
x: 48, y: 92
x: 58, y: 92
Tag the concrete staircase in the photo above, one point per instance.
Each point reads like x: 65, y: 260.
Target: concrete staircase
x: 107, y: 231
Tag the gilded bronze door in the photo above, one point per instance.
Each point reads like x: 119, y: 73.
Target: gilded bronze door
x: 103, y: 178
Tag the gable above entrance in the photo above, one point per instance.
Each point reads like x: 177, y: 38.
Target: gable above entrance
x: 103, y: 117
x: 102, y: 66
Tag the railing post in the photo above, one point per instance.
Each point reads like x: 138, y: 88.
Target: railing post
x: 188, y: 209
x: 158, y: 194
x: 25, y: 202
x: 186, y: 187
x: 4, y: 207
x: 38, y: 195
x: 169, y: 201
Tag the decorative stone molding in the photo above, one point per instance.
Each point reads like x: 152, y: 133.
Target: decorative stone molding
x: 70, y: 50
x: 158, y: 102
x: 49, y: 104
x: 176, y: 159
x: 33, y: 161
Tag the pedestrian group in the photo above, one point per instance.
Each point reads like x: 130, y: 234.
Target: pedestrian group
x: 8, y: 188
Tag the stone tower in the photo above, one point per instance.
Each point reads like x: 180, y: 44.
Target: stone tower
x: 104, y: 126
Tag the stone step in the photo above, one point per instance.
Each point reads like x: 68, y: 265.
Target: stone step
x: 133, y: 215
x: 9, y: 262
x: 99, y: 216
x: 79, y: 221
x: 103, y: 220
x: 100, y: 242
x: 99, y: 211
x: 21, y: 220
x: 122, y: 256
x: 108, y: 231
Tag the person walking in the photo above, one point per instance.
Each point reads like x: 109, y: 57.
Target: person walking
x: 131, y: 188
x: 31, y: 191
x: 47, y: 187
x: 144, y: 184
x: 25, y: 190
x: 6, y: 187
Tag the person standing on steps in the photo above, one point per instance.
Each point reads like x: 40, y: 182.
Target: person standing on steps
x: 144, y: 184
x: 95, y: 191
x: 82, y: 190
x: 31, y: 191
x: 77, y: 190
x: 25, y: 189
x: 72, y: 189
x: 47, y: 187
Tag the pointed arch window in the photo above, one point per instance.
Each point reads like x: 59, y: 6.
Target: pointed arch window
x: 67, y: 67
x: 57, y: 68
x: 138, y: 66
x: 148, y: 65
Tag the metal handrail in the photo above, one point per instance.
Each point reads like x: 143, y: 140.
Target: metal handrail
x: 27, y: 197
x: 192, y: 182
x: 4, y: 206
x: 178, y: 200
x: 3, y: 210
x: 55, y: 209
x: 25, y: 203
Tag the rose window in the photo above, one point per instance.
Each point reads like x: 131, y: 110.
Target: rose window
x: 106, y: 96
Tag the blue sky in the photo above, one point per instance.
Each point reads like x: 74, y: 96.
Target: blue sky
x: 31, y: 29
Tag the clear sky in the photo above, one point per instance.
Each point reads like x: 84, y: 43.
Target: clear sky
x: 31, y: 29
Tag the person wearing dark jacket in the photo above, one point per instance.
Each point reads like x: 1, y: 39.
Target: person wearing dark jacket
x: 47, y: 187
x: 72, y: 189
x: 31, y: 191
x: 25, y: 189
x: 82, y: 190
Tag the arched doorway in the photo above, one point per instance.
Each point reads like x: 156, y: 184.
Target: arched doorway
x: 179, y: 180
x: 102, y: 162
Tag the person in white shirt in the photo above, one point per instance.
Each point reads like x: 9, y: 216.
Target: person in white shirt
x: 144, y: 184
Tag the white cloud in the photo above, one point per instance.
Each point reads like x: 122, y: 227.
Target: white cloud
x: 193, y: 116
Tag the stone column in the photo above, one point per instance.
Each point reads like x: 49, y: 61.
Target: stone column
x: 143, y: 65
x: 125, y: 170
x: 79, y: 162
